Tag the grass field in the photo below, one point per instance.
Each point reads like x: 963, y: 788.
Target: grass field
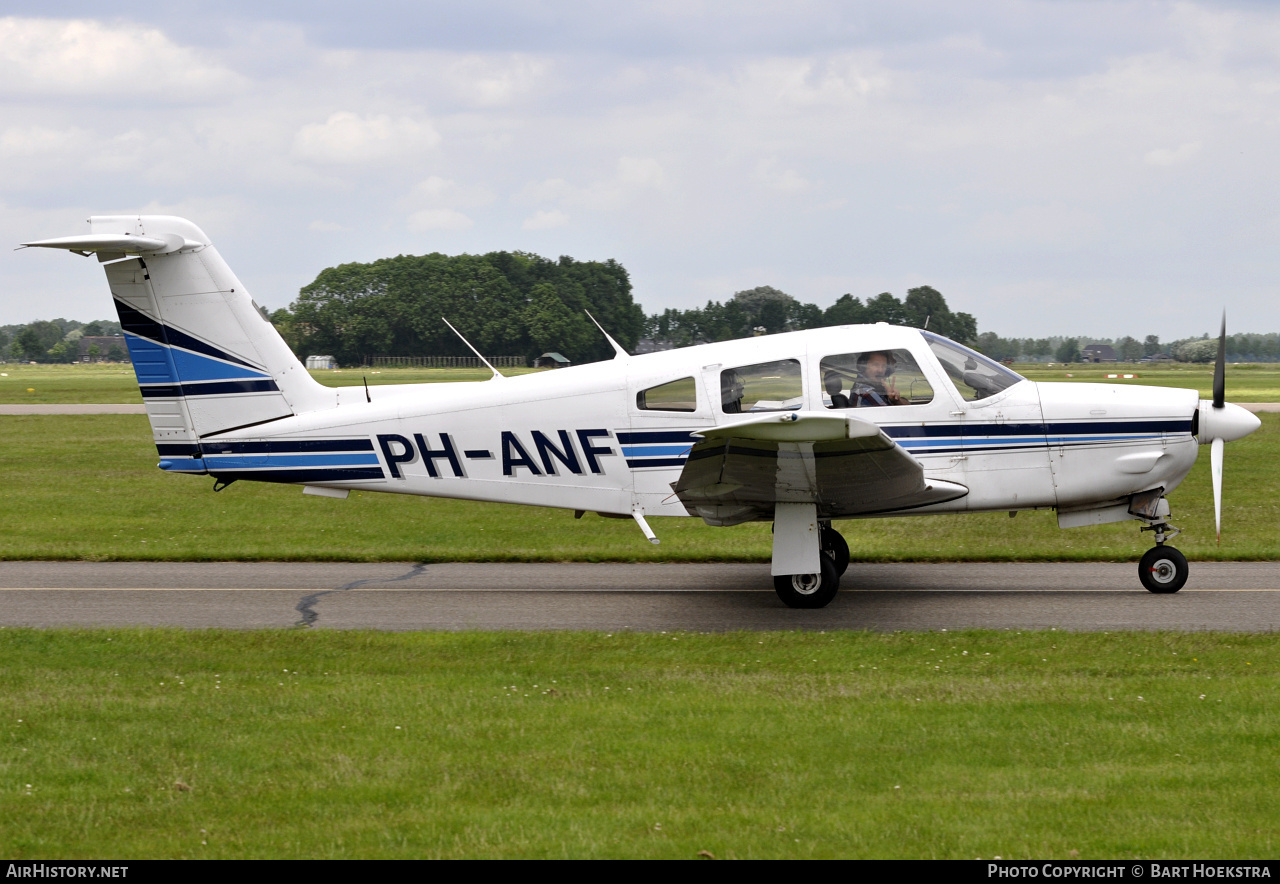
x: 87, y: 487
x: 95, y: 384
x: 319, y: 744
x: 1246, y: 382
x: 42, y: 384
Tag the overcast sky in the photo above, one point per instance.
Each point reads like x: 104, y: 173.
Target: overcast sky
x: 1100, y: 168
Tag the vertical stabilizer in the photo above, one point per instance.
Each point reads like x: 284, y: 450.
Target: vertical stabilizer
x: 206, y: 358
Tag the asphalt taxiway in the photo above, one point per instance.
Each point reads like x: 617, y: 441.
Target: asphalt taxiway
x: 1232, y: 596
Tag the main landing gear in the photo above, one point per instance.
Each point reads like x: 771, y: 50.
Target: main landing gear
x: 801, y: 542
x: 1163, y: 569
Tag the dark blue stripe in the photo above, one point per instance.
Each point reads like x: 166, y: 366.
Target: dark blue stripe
x: 656, y: 462
x: 1067, y: 428
x: 653, y: 436
x: 136, y: 322
x: 288, y: 446
x: 295, y: 476
x: 208, y: 388
x: 174, y: 449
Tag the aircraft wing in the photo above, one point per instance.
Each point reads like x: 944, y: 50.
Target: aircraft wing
x: 844, y: 464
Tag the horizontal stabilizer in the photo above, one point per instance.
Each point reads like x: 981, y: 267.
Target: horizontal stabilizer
x: 120, y: 243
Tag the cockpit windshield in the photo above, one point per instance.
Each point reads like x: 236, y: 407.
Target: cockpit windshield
x: 975, y: 376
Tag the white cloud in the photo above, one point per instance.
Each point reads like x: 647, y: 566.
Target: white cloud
x: 123, y: 62
x: 438, y: 192
x: 348, y: 138
x: 327, y: 227
x: 487, y: 81
x: 787, y: 181
x: 640, y: 172
x: 41, y: 141
x: 438, y: 219
x: 632, y: 177
x: 1166, y: 157
x: 1057, y: 225
x: 795, y: 144
x: 545, y: 220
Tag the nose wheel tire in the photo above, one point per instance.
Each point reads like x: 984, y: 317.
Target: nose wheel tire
x: 1163, y: 569
x: 809, y: 590
x: 834, y: 546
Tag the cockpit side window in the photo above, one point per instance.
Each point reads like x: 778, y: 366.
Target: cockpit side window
x: 681, y: 395
x: 767, y: 386
x: 975, y: 376
x: 873, y: 378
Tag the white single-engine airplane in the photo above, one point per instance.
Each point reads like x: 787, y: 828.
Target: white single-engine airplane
x: 799, y: 429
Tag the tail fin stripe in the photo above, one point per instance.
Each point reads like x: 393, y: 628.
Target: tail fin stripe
x: 138, y: 323
x: 216, y: 388
x: 158, y: 364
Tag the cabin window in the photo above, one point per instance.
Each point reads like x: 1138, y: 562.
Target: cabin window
x: 767, y: 386
x: 975, y: 376
x: 681, y: 395
x: 873, y: 378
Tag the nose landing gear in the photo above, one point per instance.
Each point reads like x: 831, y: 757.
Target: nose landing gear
x: 1163, y: 569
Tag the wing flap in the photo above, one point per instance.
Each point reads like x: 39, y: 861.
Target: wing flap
x: 733, y: 475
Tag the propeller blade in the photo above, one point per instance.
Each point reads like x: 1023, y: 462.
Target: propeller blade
x: 1215, y: 467
x: 1220, y: 367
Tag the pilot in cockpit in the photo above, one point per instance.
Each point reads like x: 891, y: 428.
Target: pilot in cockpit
x: 731, y: 390
x: 875, y: 384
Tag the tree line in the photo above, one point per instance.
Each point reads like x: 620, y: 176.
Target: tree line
x: 1244, y: 347
x: 504, y: 303
x: 521, y: 304
x: 57, y: 340
x: 766, y: 310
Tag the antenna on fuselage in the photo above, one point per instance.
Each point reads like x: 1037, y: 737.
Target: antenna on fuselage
x: 496, y: 373
x: 618, y: 352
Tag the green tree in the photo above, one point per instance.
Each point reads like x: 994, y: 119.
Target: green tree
x: 998, y: 348
x: 1129, y: 349
x: 1202, y: 350
x: 1069, y: 351
x: 847, y: 310
x: 884, y: 307
x: 552, y: 325
x: 34, y: 341
x: 764, y: 306
x: 394, y: 306
x: 1151, y: 345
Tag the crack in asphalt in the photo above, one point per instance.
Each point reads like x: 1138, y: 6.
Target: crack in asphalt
x: 306, y: 607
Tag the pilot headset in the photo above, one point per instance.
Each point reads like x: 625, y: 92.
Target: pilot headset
x: 889, y: 358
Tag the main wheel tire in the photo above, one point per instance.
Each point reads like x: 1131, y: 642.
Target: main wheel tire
x: 1163, y: 569
x: 834, y: 545
x: 809, y: 590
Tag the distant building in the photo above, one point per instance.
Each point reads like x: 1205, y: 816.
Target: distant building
x: 321, y: 362
x: 1098, y: 353
x: 102, y: 348
x: 551, y: 360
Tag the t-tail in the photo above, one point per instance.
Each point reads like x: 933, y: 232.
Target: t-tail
x: 206, y: 358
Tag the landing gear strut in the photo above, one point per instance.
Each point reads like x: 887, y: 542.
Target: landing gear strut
x: 1163, y: 569
x: 805, y: 550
